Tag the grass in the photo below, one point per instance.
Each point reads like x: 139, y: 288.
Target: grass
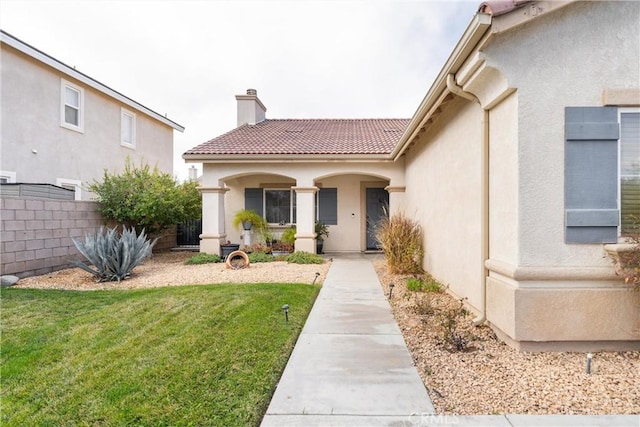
x: 192, y: 355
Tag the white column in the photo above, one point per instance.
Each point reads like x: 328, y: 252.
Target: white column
x: 213, y: 231
x: 396, y: 199
x: 306, y: 219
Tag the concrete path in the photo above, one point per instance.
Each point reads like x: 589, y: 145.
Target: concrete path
x: 351, y: 366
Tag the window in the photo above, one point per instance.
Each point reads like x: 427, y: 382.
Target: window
x: 71, y: 184
x: 327, y: 206
x: 127, y: 129
x: 7, y: 177
x: 71, y: 107
x: 279, y: 206
x: 629, y: 168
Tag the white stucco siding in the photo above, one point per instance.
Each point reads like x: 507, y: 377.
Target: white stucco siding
x: 503, y: 181
x: 566, y: 58
x: 31, y: 94
x: 444, y: 194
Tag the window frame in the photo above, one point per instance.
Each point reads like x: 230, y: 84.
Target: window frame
x: 292, y: 205
x: 126, y: 113
x: 64, y: 85
x: 77, y: 184
x: 10, y: 176
x: 621, y: 111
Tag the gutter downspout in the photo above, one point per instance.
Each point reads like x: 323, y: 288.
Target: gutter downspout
x: 484, y: 196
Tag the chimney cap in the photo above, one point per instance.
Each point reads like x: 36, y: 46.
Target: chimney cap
x: 252, y: 92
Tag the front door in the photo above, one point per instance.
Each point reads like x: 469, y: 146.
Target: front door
x: 377, y: 208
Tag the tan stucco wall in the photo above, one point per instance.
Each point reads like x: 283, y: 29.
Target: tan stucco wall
x: 443, y: 194
x: 542, y: 293
x: 31, y: 120
x: 566, y: 58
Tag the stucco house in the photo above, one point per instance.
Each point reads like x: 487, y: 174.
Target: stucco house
x: 62, y: 127
x: 521, y: 164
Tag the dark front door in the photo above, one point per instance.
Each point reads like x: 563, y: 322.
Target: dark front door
x: 377, y: 208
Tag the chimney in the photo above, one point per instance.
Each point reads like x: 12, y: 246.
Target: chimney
x: 250, y: 109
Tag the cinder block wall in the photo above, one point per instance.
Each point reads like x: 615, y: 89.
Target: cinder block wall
x: 35, y: 235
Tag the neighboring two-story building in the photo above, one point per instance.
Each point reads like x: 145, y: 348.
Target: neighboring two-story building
x: 62, y: 127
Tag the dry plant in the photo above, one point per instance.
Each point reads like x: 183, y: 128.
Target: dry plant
x: 400, y: 239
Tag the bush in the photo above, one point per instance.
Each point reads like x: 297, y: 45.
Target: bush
x: 146, y: 198
x: 415, y: 285
x: 401, y: 241
x: 203, y: 258
x: 289, y: 235
x: 305, y: 258
x: 113, y: 255
x: 255, y: 257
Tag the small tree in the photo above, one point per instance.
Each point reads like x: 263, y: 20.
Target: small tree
x: 146, y: 198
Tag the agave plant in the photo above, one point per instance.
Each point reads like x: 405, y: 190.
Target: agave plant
x: 113, y: 255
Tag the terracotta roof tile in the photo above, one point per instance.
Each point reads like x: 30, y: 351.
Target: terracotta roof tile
x: 308, y: 136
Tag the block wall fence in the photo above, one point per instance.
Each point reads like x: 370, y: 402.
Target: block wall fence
x: 35, y: 234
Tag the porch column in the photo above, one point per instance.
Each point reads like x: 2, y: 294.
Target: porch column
x: 306, y: 218
x: 396, y: 199
x: 213, y: 232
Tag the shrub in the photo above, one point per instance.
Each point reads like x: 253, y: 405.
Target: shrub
x: 113, y: 255
x: 454, y: 338
x: 203, y: 258
x: 289, y: 235
x: 146, y: 198
x: 415, y: 285
x: 255, y: 257
x: 400, y: 239
x: 302, y: 257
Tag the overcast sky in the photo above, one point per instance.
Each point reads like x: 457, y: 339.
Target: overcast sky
x: 307, y: 59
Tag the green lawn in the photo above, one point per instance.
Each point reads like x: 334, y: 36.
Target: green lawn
x: 192, y: 355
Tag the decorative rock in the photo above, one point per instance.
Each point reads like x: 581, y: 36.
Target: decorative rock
x: 8, y: 280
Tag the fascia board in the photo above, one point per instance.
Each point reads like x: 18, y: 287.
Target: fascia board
x: 83, y: 78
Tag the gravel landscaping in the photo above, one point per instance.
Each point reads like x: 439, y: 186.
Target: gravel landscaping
x: 492, y: 378
x: 489, y: 377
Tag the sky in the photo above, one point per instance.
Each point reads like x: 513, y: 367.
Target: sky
x: 307, y: 59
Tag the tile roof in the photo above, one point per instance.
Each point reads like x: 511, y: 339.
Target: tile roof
x: 308, y: 136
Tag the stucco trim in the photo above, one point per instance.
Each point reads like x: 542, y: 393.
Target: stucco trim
x: 627, y: 97
x: 535, y: 273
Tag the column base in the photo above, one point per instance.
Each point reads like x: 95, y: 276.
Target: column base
x: 210, y: 243
x: 305, y: 243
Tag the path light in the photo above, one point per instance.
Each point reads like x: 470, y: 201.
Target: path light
x: 589, y: 358
x: 285, y: 308
x: 316, y: 278
x: 391, y: 286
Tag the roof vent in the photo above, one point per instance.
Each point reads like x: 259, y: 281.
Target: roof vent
x: 252, y: 92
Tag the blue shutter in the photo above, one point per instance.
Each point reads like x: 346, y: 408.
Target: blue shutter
x: 591, y: 174
x: 328, y: 206
x: 253, y: 200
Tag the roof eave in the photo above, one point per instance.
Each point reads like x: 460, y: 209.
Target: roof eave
x: 474, y: 32
x: 81, y: 77
x: 291, y: 158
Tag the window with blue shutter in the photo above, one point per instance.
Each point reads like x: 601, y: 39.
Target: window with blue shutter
x: 591, y: 174
x: 328, y: 206
x: 253, y: 199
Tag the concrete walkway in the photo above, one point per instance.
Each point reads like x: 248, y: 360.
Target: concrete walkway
x: 351, y: 366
